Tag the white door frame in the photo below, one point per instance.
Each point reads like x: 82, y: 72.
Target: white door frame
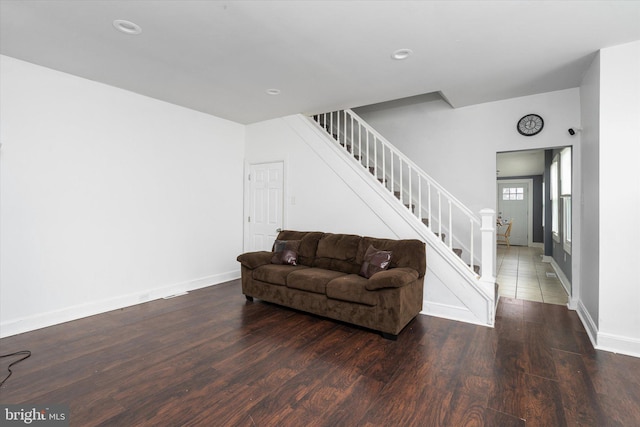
x: 247, y: 197
x: 528, y: 181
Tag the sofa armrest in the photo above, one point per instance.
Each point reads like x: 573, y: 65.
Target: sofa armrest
x: 255, y: 259
x: 392, y: 278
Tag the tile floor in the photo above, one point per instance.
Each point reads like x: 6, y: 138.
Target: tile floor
x: 523, y: 275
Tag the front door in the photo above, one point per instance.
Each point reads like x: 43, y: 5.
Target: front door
x: 265, y: 213
x: 513, y: 205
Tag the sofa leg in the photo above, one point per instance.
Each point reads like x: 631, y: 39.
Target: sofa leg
x: 392, y: 337
x: 249, y: 298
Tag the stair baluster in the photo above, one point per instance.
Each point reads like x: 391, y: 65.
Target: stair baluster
x: 390, y: 167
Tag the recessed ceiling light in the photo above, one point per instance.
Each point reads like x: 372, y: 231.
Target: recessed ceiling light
x: 127, y: 27
x: 401, y: 54
x: 273, y: 91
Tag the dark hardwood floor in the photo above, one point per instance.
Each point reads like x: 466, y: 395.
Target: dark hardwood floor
x: 210, y: 358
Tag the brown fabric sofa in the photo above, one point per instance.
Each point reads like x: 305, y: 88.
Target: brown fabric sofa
x: 326, y: 282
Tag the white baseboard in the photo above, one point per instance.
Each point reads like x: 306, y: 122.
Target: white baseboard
x: 460, y: 314
x: 42, y: 320
x: 566, y: 283
x: 607, y: 342
x: 588, y: 323
x: 573, y: 303
x: 618, y: 344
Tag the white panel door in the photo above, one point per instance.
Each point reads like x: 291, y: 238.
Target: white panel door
x: 266, y: 184
x: 513, y: 204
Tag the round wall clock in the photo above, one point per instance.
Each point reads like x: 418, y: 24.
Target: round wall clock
x: 530, y: 125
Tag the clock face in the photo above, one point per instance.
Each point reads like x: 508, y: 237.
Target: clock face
x: 530, y: 125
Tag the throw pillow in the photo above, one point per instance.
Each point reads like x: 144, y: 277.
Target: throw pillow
x: 374, y: 261
x: 285, y: 252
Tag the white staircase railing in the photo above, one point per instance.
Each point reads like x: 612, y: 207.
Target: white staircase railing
x: 427, y: 200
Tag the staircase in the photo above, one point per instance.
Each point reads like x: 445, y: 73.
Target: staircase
x: 411, y: 205
x: 439, y: 211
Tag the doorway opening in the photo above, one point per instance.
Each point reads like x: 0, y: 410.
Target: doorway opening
x: 533, y: 194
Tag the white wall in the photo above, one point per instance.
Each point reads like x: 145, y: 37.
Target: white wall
x: 619, y: 288
x: 108, y: 198
x: 316, y: 199
x: 458, y: 147
x: 590, y: 183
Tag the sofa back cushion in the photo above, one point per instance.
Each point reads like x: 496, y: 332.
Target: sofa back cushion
x: 345, y: 252
x: 308, y: 244
x: 338, y: 252
x: 404, y: 253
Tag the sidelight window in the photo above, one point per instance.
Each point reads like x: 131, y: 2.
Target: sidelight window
x: 565, y: 187
x: 553, y: 184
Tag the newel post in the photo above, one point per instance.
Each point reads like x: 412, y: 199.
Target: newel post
x: 488, y: 246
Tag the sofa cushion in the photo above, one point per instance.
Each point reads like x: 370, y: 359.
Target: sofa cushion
x: 394, y: 278
x: 276, y: 274
x: 351, y: 288
x: 405, y: 253
x: 308, y: 244
x: 338, y: 252
x: 312, y: 279
x: 374, y: 261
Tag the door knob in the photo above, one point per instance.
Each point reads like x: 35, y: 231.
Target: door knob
x: 279, y: 230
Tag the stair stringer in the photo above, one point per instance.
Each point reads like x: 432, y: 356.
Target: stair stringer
x: 451, y: 290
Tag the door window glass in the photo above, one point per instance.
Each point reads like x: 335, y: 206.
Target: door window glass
x: 513, y: 193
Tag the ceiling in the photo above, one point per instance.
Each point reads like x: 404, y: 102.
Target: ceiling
x: 220, y: 57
